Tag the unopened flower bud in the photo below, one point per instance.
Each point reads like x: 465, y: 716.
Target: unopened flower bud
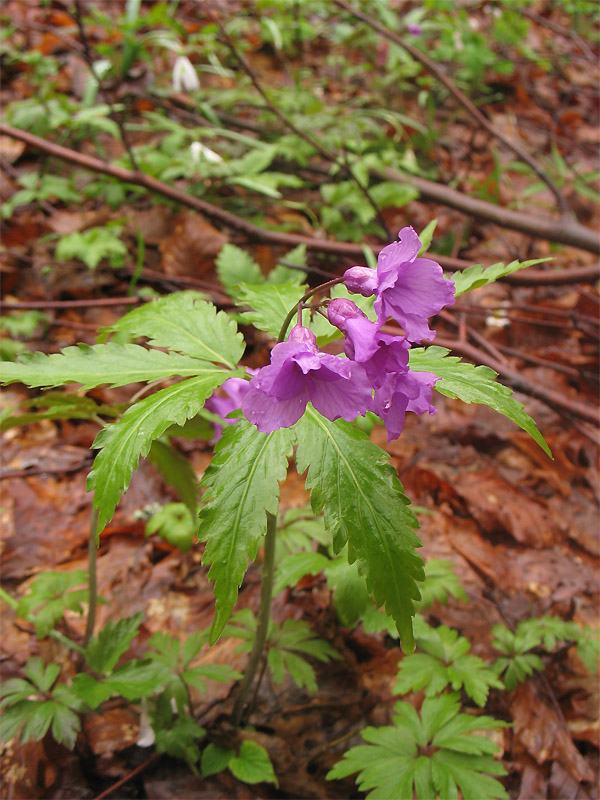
x: 361, y: 280
x: 185, y: 78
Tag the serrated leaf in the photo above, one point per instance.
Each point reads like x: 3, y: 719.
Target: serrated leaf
x: 235, y: 266
x: 177, y: 472
x: 472, y: 384
x: 42, y: 676
x: 295, y: 566
x: 104, y: 650
x: 111, y: 364
x: 65, y: 725
x: 440, y: 582
x: 242, y: 484
x: 37, y: 721
x: 301, y: 672
x: 350, y: 595
x: 270, y: 304
x: 14, y: 690
x: 180, y: 740
x: 478, y: 275
x: 215, y: 759
x: 89, y: 690
x: 352, y: 480
x: 252, y: 764
x: 193, y: 327
x: 59, y: 405
x: 276, y: 665
x: 12, y: 718
x: 192, y: 645
x: 416, y: 754
x: 124, y: 442
x: 137, y: 679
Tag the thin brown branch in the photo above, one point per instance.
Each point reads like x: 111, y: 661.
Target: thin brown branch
x: 563, y: 230
x: 433, y: 68
x: 326, y: 154
x: 254, y: 233
x: 65, y: 304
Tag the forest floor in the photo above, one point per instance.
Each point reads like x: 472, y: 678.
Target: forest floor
x: 520, y: 529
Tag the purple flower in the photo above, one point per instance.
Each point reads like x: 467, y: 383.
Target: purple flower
x: 385, y: 357
x: 235, y: 389
x: 298, y: 374
x: 406, y: 288
x: 414, y: 29
x: 402, y: 392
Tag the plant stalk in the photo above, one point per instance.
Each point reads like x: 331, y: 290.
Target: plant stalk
x: 92, y: 578
x: 264, y: 616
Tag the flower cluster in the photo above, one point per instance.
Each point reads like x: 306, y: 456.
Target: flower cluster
x: 375, y: 375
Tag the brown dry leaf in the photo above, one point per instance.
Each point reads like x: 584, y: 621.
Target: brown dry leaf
x: 111, y: 729
x: 543, y: 733
x: 192, y: 247
x: 501, y: 507
x: 11, y: 149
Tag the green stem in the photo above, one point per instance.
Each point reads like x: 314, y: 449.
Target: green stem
x: 264, y: 616
x: 309, y: 294
x: 92, y: 578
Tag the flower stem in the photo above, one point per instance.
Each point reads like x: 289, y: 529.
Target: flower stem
x: 264, y: 616
x: 309, y: 294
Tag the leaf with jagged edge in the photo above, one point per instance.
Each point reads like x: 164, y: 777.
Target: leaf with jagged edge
x: 190, y: 326
x: 58, y: 405
x: 112, y: 364
x: 235, y: 266
x: 242, y: 484
x: 472, y: 384
x: 122, y: 443
x: 269, y: 303
x: 478, y: 275
x: 178, y: 473
x: 352, y: 480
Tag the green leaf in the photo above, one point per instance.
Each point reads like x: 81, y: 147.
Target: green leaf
x: 295, y: 566
x: 12, y: 718
x: 58, y: 405
x: 89, y: 690
x: 14, y: 690
x: 177, y: 472
x: 472, y: 384
x: 136, y: 679
x: 283, y: 273
x: 92, y: 245
x: 180, y: 740
x: 270, y: 304
x: 42, y: 676
x: 192, y: 645
x: 124, y: 442
x: 427, y: 757
x: 215, y: 759
x: 477, y: 275
x: 193, y: 327
x: 440, y: 582
x: 252, y: 764
x: 350, y: 595
x: 241, y: 483
x: 112, y: 364
x: 222, y: 673
x: 37, y: 721
x: 301, y: 672
x: 104, y: 650
x: 235, y: 266
x: 65, y: 725
x: 365, y: 505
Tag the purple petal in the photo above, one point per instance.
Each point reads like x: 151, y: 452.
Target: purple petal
x: 390, y: 405
x: 420, y: 291
x: 397, y: 253
x: 346, y: 398
x: 270, y: 413
x: 420, y: 398
x: 361, y: 343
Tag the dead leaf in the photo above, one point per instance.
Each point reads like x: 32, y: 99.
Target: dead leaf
x: 192, y: 247
x: 539, y: 728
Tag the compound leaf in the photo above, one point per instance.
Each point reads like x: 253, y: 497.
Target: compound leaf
x: 123, y: 443
x: 104, y: 650
x: 478, y: 275
x: 193, y: 327
x: 235, y: 266
x: 242, y: 484
x: 472, y: 384
x: 112, y: 364
x: 270, y: 304
x: 352, y: 480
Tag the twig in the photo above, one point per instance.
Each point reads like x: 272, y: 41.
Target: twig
x: 576, y: 235
x: 462, y: 98
x: 92, y: 578
x: 327, y: 155
x: 28, y: 473
x: 130, y: 775
x: 564, y: 230
x: 65, y: 304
